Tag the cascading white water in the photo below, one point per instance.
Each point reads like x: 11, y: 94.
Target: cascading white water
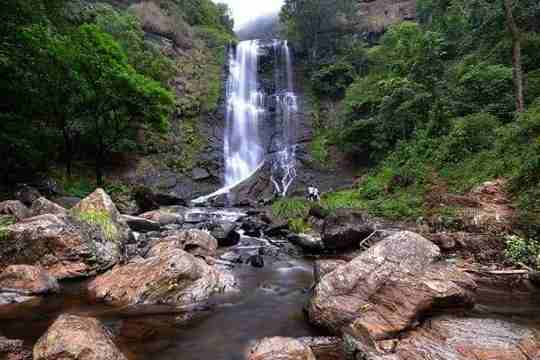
x: 245, y: 107
x: 284, y: 164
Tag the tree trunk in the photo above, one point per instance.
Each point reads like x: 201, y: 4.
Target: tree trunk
x: 516, y: 57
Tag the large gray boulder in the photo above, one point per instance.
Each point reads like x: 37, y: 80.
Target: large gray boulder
x: 388, y: 288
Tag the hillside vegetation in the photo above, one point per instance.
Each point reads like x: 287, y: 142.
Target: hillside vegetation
x: 83, y: 79
x: 435, y: 106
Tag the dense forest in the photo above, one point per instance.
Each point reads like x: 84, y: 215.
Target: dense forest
x: 83, y: 79
x: 433, y: 106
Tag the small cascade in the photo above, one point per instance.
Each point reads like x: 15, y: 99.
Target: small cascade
x: 284, y: 159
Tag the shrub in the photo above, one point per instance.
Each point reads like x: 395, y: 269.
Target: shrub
x: 486, y: 88
x: 332, y: 80
x: 519, y: 250
x: 469, y: 135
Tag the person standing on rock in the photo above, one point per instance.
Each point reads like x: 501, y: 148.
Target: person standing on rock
x: 313, y: 194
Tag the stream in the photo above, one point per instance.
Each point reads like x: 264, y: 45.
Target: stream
x: 269, y: 302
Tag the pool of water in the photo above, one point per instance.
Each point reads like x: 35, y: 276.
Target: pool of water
x: 269, y: 302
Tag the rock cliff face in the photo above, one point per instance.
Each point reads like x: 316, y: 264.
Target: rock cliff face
x: 377, y: 15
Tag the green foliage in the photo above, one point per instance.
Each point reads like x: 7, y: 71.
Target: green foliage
x: 191, y: 144
x: 347, y: 199
x: 486, y: 88
x: 127, y: 31
x: 103, y: 220
x: 299, y: 226
x: 469, y: 135
x: 5, y: 221
x: 77, y: 186
x: 291, y: 208
x: 522, y: 251
x: 319, y: 149
x: 332, y: 80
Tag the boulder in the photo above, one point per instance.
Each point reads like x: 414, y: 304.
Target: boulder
x: 14, y: 208
x: 345, y: 229
x: 325, y: 348
x: 28, y: 280
x: 199, y: 174
x: 456, y: 338
x: 280, y: 348
x: 195, y: 242
x: 14, y: 350
x: 27, y: 195
x: 99, y: 202
x: 163, y: 217
x: 42, y: 206
x: 99, y: 209
x: 307, y: 242
x: 66, y: 247
x: 323, y: 267
x: 389, y: 287
x: 75, y: 338
x: 148, y: 200
x: 169, y: 277
x: 141, y: 224
x: 225, y: 233
x: 24, y: 285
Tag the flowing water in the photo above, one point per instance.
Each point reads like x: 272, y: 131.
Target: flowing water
x: 284, y: 159
x: 269, y: 303
x: 245, y: 108
x: 248, y: 112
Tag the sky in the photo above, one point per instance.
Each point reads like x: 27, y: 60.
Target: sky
x: 245, y: 10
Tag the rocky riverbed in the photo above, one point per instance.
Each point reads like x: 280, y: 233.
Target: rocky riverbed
x: 217, y: 283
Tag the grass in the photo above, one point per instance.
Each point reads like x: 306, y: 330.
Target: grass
x: 291, y: 208
x: 347, y: 199
x: 101, y: 219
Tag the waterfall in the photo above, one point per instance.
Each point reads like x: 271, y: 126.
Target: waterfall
x: 249, y: 108
x: 284, y: 162
x: 245, y: 107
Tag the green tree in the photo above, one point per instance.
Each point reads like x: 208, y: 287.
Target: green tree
x: 116, y: 97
